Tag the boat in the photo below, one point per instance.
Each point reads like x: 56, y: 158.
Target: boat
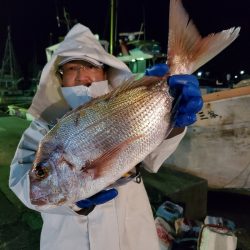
x: 217, y: 146
x: 13, y: 99
x: 134, y: 56
x: 10, y: 76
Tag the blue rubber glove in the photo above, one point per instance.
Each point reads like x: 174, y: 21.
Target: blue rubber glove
x: 185, y: 86
x: 97, y: 199
x: 157, y: 70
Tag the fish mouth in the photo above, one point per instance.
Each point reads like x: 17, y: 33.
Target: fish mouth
x: 45, y: 203
x: 39, y: 202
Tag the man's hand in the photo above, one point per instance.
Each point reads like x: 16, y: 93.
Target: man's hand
x: 157, y: 70
x: 89, y: 204
x: 184, y: 87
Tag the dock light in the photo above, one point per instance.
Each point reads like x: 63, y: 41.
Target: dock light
x: 242, y: 72
x: 199, y: 74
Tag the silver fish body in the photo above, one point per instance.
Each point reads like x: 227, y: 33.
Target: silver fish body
x: 96, y: 144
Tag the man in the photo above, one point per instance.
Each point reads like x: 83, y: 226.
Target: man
x: 79, y: 70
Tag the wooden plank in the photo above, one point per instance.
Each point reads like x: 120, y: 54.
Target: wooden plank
x: 226, y: 94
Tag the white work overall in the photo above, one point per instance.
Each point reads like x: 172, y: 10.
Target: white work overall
x: 124, y: 223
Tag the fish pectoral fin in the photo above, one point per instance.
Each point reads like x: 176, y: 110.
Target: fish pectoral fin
x: 103, y: 163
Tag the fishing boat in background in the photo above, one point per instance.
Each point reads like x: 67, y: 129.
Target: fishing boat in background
x: 10, y: 75
x: 217, y: 146
x: 10, y: 80
x: 137, y: 53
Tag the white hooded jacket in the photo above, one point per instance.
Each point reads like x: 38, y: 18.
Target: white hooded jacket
x: 124, y: 223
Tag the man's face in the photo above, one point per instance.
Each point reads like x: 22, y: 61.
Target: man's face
x: 81, y: 73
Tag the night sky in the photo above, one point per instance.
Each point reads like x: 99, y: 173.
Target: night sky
x: 34, y: 25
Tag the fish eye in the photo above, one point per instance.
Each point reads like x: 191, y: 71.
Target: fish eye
x: 41, y: 170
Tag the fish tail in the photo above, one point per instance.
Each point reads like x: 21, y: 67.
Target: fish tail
x: 187, y: 50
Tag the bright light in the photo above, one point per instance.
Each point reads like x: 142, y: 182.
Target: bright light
x: 140, y: 59
x: 199, y: 73
x: 242, y: 72
x: 235, y: 76
x: 97, y: 36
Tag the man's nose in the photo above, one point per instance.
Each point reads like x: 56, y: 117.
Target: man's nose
x: 81, y: 74
x: 82, y: 77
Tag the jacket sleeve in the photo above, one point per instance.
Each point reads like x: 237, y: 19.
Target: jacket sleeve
x: 154, y: 160
x: 22, y: 162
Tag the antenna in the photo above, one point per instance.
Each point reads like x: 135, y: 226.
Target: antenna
x: 140, y: 32
x: 57, y: 15
x: 65, y: 20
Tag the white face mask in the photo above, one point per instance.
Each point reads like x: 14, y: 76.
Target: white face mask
x: 78, y: 95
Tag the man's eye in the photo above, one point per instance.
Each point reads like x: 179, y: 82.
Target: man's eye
x: 90, y: 66
x: 72, y: 68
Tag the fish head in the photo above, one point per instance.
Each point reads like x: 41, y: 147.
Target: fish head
x: 52, y: 183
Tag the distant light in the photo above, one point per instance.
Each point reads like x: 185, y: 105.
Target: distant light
x: 235, y: 76
x: 131, y: 37
x: 140, y: 59
x: 218, y: 83
x: 133, y: 60
x: 199, y: 74
x: 242, y: 72
x: 97, y: 36
x: 228, y: 77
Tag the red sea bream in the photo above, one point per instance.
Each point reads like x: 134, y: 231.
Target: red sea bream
x: 96, y: 144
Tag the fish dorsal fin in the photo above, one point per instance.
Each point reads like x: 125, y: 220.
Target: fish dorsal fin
x: 71, y: 112
x: 126, y: 85
x: 134, y: 83
x: 187, y: 50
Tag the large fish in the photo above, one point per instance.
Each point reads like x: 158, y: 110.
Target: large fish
x: 94, y: 145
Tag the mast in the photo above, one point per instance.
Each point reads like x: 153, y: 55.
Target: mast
x: 9, y: 77
x: 113, y: 25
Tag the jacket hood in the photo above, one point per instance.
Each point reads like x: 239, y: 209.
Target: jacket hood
x: 48, y: 103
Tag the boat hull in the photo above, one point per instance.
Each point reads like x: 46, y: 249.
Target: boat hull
x: 217, y: 146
